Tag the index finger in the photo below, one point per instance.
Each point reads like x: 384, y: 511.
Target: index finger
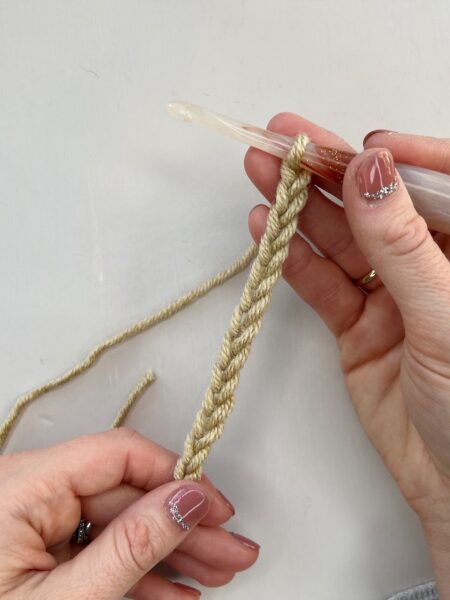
x: 422, y: 151
x: 94, y: 464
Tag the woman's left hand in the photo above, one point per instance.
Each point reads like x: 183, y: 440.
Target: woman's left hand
x: 123, y: 483
x: 393, y: 331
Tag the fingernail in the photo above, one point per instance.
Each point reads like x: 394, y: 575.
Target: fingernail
x: 249, y: 543
x: 227, y: 502
x: 371, y: 133
x: 376, y: 176
x: 189, y: 590
x: 187, y: 506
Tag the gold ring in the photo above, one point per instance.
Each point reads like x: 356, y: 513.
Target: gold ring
x: 368, y: 278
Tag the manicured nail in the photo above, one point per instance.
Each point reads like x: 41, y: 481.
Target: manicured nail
x: 249, y: 543
x: 189, y: 590
x: 187, y: 506
x: 226, y: 501
x: 376, y: 176
x: 371, y: 133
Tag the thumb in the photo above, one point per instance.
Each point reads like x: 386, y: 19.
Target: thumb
x: 396, y: 240
x: 136, y: 541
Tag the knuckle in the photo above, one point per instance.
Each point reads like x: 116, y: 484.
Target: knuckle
x: 297, y: 262
x: 404, y: 239
x: 126, y: 437
x: 340, y: 247
x: 329, y: 296
x: 125, y: 433
x: 140, y: 543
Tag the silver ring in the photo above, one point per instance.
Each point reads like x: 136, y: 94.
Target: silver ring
x: 81, y: 535
x: 367, y: 278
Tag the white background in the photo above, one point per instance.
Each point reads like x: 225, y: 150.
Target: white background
x: 109, y: 209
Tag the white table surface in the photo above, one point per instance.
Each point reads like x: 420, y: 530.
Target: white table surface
x: 109, y: 209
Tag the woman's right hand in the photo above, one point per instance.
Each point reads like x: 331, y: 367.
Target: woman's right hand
x: 123, y: 483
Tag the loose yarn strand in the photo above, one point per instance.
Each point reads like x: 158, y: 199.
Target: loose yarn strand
x: 219, y: 399
x: 140, y: 327
x: 142, y: 385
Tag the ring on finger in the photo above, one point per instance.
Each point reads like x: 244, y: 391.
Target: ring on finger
x: 366, y: 279
x: 82, y: 534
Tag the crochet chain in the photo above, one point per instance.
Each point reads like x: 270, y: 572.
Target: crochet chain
x: 219, y: 399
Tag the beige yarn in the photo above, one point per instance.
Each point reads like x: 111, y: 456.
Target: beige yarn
x: 218, y: 403
x: 135, y: 394
x: 136, y: 329
x: 219, y: 399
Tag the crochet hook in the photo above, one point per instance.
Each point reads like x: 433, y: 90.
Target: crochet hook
x: 429, y: 190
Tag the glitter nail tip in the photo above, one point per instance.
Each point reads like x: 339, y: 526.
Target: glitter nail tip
x: 187, y: 506
x: 382, y: 192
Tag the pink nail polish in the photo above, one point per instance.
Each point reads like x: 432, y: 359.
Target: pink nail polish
x: 226, y: 501
x: 249, y: 543
x: 371, y: 133
x: 189, y: 590
x: 376, y: 176
x: 187, y: 506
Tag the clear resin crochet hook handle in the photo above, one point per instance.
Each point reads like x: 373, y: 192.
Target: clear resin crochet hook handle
x: 429, y: 190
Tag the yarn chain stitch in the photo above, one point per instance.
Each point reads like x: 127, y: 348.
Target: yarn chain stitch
x: 219, y: 399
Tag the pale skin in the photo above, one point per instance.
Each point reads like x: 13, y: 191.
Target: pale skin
x: 395, y: 355
x: 394, y: 342
x: 120, y: 481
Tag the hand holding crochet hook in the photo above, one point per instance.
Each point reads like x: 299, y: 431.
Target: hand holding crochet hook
x: 393, y: 332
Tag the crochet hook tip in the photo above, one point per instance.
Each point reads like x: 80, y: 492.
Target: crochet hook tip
x: 326, y: 162
x: 268, y: 141
x: 180, y: 110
